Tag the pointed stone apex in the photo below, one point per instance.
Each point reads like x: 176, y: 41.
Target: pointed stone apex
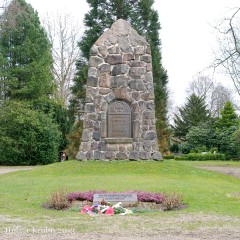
x: 122, y: 32
x: 121, y: 27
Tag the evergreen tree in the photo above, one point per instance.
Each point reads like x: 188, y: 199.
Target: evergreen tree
x: 26, y: 61
x: 227, y: 132
x: 228, y: 117
x: 191, y: 115
x: 26, y: 70
x: 227, y: 141
x: 144, y: 19
x: 102, y: 14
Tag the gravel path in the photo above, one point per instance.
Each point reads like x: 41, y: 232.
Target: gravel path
x: 8, y: 169
x: 232, y: 171
x: 134, y: 227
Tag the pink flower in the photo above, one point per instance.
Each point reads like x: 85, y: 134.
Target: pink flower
x: 109, y: 211
x: 86, y: 209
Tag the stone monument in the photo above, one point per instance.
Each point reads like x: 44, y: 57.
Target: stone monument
x: 119, y: 113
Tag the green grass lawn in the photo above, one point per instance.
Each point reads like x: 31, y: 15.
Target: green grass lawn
x: 23, y: 192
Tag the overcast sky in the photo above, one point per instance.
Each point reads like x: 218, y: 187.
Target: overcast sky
x: 187, y: 34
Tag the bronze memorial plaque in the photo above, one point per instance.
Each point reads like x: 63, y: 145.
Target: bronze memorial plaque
x: 119, y: 120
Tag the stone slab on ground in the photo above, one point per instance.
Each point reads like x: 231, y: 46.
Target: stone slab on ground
x: 115, y: 197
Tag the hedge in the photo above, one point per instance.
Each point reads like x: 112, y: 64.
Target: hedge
x: 168, y: 156
x: 201, y: 157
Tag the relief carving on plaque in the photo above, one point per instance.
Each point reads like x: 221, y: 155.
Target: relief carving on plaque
x: 119, y: 120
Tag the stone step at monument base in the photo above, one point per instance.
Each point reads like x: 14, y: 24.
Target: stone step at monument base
x: 116, y: 155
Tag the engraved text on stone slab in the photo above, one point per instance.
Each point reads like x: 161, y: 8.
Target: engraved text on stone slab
x: 115, y: 197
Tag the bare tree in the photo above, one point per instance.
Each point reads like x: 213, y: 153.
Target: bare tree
x: 228, y: 55
x: 220, y: 95
x: 64, y: 33
x: 214, y: 93
x: 202, y: 86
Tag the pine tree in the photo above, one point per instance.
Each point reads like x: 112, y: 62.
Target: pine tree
x: 192, y: 114
x: 227, y: 132
x: 26, y: 61
x: 26, y: 65
x: 228, y: 117
x: 144, y: 19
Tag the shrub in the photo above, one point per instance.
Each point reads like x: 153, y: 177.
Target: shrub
x: 205, y: 157
x: 185, y: 148
x: 171, y: 201
x: 201, y: 149
x: 82, y: 196
x: 174, y: 148
x: 58, y: 200
x: 213, y: 149
x: 193, y: 156
x: 200, y: 137
x: 59, y: 114
x: 201, y: 157
x: 27, y: 137
x: 181, y: 158
x: 168, y: 156
x: 221, y: 157
x: 75, y: 138
x: 149, y: 197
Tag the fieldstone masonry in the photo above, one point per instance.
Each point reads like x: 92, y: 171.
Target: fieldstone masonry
x: 119, y: 114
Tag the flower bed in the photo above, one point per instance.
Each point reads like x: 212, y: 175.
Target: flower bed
x: 141, y: 195
x: 83, y: 202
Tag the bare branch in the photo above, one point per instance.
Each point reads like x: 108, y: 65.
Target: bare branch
x: 228, y: 56
x: 215, y: 94
x: 233, y: 32
x: 63, y: 33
